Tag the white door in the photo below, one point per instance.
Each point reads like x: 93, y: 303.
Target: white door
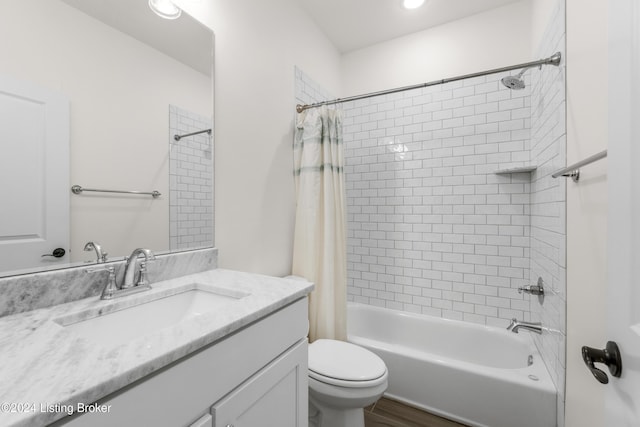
x: 623, y: 394
x: 34, y: 175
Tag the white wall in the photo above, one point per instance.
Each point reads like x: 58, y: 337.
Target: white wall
x: 492, y: 39
x: 258, y: 43
x: 587, y: 131
x: 541, y: 12
x: 119, y: 126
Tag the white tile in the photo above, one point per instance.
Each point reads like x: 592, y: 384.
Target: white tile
x: 454, y: 236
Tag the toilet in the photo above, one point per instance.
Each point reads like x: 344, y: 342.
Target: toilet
x: 343, y: 379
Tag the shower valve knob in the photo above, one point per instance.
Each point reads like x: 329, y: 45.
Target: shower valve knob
x: 537, y: 289
x: 531, y: 289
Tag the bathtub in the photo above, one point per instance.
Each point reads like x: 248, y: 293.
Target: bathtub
x: 477, y: 375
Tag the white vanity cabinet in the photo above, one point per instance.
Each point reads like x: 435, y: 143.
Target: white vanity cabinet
x: 255, y: 377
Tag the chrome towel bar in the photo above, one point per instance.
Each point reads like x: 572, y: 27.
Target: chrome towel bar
x: 179, y: 137
x: 76, y: 189
x: 573, y: 171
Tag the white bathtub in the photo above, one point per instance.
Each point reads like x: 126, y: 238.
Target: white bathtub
x: 474, y: 374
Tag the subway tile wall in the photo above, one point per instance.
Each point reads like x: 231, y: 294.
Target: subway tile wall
x: 431, y: 227
x: 191, y: 181
x: 548, y: 202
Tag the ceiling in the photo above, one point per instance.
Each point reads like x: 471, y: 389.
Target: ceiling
x: 354, y: 24
x: 184, y: 39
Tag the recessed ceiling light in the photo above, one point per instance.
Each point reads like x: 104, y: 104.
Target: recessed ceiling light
x: 165, y: 9
x: 412, y: 4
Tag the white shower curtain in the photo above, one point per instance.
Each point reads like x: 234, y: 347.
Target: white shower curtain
x: 319, y: 246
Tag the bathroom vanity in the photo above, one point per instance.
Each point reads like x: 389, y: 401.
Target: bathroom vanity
x: 235, y: 354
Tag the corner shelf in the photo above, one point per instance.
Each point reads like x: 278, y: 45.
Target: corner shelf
x: 516, y: 169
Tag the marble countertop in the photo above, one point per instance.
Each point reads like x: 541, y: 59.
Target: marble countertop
x: 44, y: 365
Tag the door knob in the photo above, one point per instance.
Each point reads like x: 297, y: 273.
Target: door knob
x: 610, y: 356
x: 57, y: 253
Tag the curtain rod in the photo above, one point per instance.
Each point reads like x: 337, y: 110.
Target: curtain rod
x: 553, y: 60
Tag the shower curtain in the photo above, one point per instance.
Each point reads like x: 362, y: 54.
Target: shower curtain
x: 319, y: 246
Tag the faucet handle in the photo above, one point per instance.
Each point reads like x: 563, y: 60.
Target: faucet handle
x: 531, y: 289
x: 143, y: 280
x: 537, y: 289
x: 109, y: 291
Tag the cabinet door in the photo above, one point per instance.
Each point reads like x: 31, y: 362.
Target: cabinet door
x: 275, y: 396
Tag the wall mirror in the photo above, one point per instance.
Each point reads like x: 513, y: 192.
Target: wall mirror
x: 91, y: 94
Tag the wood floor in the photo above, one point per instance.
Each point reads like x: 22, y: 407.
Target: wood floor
x: 390, y: 413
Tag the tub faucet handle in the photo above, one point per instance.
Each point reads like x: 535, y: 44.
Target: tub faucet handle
x: 537, y: 289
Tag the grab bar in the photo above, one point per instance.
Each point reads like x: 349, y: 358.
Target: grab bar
x: 573, y: 171
x: 76, y: 189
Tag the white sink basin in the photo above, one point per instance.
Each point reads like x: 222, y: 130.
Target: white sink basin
x: 139, y: 315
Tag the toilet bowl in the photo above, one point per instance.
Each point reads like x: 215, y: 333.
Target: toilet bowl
x: 343, y: 379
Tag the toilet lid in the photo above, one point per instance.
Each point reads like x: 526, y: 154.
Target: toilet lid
x: 344, y: 361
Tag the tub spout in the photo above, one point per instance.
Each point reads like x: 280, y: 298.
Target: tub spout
x: 529, y: 326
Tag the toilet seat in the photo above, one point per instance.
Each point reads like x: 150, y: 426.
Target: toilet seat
x: 345, y: 383
x: 345, y: 365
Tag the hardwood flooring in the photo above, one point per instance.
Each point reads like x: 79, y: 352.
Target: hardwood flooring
x: 391, y: 413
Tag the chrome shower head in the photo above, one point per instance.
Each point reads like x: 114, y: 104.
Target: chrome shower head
x: 513, y: 82
x: 517, y: 83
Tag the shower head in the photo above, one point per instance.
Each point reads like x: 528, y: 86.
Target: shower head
x: 513, y: 82
x: 516, y: 82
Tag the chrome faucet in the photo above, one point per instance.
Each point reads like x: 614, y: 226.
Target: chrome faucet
x: 130, y: 268
x: 529, y: 326
x: 112, y: 290
x: 94, y: 246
